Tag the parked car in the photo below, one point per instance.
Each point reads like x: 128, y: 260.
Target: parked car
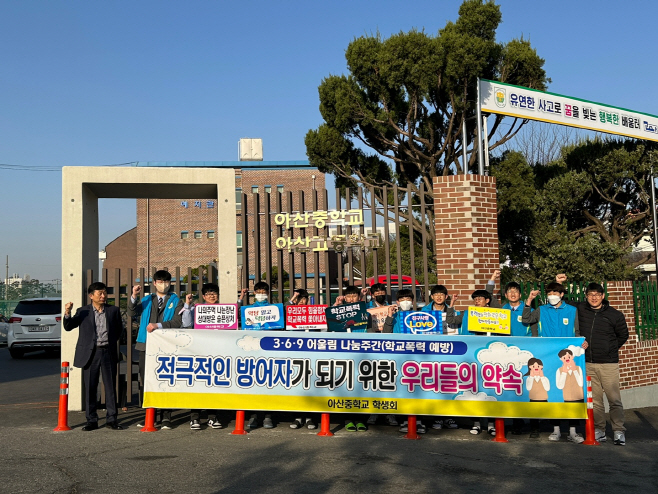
x: 4, y: 329
x: 36, y: 324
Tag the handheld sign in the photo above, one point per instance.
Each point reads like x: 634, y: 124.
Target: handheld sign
x: 488, y: 320
x: 348, y: 318
x: 306, y: 317
x: 419, y: 322
x: 262, y: 317
x: 378, y: 315
x: 216, y: 316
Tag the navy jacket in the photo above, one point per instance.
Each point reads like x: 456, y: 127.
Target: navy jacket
x: 84, y: 318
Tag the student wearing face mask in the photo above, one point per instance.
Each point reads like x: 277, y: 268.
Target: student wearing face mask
x: 157, y: 310
x: 262, y: 296
x: 378, y: 291
x: 555, y: 319
x: 393, y: 324
x: 481, y: 298
x: 379, y: 299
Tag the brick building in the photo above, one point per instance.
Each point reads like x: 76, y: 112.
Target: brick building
x: 121, y: 253
x: 174, y: 233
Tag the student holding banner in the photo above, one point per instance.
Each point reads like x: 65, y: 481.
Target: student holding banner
x: 439, y: 302
x: 393, y: 324
x: 262, y: 296
x: 481, y: 298
x: 157, y: 310
x: 300, y: 297
x: 210, y: 295
x: 359, y: 323
x: 556, y: 319
x: 518, y: 328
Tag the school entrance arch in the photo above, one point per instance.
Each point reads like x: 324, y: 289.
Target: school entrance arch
x: 81, y: 189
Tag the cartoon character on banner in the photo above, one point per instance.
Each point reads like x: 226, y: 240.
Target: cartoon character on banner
x: 536, y: 383
x: 569, y: 377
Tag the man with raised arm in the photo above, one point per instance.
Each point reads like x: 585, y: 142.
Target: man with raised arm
x: 157, y: 310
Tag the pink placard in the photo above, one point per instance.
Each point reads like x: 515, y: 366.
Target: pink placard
x: 216, y: 316
x: 303, y: 317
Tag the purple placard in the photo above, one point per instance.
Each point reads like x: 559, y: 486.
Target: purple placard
x: 216, y: 316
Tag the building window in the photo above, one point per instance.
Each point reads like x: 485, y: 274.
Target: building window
x: 279, y: 189
x: 184, y: 234
x: 238, y: 199
x: 238, y: 241
x: 197, y: 234
x: 268, y: 189
x: 254, y: 189
x: 211, y: 233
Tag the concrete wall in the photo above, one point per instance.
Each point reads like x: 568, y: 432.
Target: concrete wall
x: 81, y: 189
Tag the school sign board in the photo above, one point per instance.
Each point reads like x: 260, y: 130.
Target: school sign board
x: 366, y: 373
x: 522, y: 102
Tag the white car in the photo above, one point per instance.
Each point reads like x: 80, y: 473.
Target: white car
x: 4, y: 329
x: 36, y: 324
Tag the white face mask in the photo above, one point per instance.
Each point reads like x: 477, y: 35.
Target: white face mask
x: 406, y: 305
x: 368, y: 298
x: 261, y: 297
x: 554, y: 299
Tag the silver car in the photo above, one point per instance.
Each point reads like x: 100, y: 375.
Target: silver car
x: 4, y: 329
x: 36, y: 324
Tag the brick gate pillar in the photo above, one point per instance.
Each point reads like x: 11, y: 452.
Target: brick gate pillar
x: 466, y: 227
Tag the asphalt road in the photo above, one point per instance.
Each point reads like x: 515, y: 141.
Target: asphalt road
x: 36, y: 459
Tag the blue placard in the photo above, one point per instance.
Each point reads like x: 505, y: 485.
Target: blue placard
x: 263, y: 317
x: 420, y: 322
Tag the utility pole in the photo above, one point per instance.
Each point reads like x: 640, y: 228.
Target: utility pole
x: 7, y: 279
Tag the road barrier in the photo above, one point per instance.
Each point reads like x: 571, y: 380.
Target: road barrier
x: 325, y: 426
x: 149, y: 421
x: 63, y: 415
x: 239, y: 423
x: 590, y: 430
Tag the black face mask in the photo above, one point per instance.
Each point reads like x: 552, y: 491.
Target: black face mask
x: 380, y: 299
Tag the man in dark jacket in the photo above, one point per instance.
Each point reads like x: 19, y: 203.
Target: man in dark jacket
x: 96, y: 351
x: 605, y: 331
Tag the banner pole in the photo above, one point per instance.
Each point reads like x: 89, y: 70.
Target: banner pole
x: 479, y: 132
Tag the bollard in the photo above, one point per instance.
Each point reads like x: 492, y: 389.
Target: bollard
x: 500, y: 432
x: 325, y: 426
x: 149, y: 421
x: 590, y: 430
x: 63, y: 415
x: 239, y: 423
x: 412, y: 426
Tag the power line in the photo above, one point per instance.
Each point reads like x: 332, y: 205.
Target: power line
x: 5, y: 166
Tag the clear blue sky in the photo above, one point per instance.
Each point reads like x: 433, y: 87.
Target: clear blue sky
x: 100, y: 83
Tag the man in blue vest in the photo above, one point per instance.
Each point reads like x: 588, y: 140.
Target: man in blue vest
x: 157, y: 310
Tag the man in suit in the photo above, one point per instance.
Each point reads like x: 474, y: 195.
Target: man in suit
x: 96, y: 351
x: 157, y: 310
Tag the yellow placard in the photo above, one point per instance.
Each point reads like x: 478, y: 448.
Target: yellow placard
x: 489, y: 320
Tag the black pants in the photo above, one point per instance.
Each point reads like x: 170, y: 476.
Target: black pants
x: 534, y: 423
x: 196, y: 415
x: 101, y: 362
x: 165, y: 415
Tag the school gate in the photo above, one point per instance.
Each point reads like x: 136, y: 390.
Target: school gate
x: 363, y: 236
